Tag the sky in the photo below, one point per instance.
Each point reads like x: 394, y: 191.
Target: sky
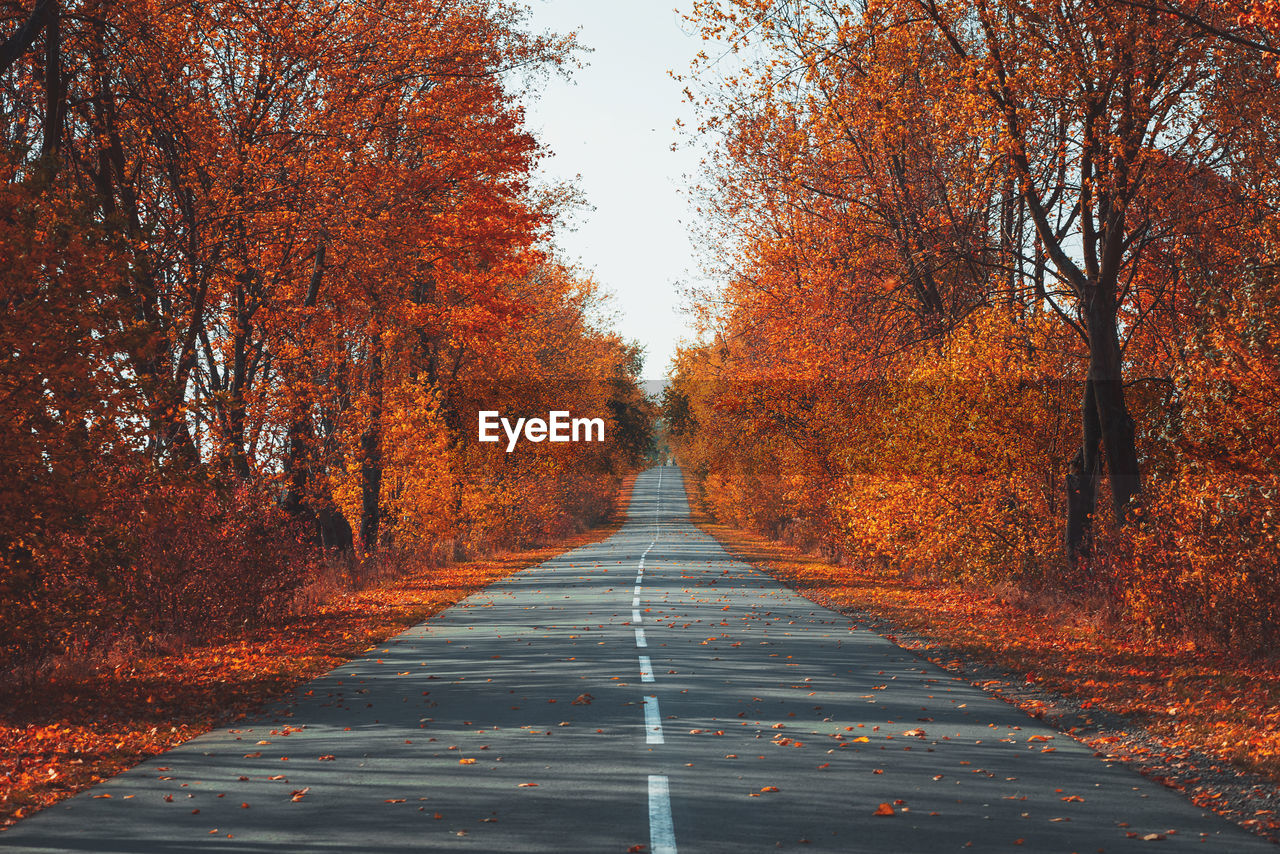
x: 612, y: 124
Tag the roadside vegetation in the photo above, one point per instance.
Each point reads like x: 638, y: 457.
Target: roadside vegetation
x: 1002, y: 300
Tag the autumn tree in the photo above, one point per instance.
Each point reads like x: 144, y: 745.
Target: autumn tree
x: 263, y: 254
x: 916, y: 204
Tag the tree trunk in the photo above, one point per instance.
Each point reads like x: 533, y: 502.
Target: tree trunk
x: 1106, y: 375
x: 329, y: 528
x: 371, y: 454
x: 1106, y: 426
x: 1082, y: 479
x: 333, y: 530
x: 54, y: 100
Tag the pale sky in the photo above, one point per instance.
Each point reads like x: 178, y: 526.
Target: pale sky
x: 613, y: 125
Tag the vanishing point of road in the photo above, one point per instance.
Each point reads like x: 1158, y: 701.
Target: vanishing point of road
x: 645, y: 693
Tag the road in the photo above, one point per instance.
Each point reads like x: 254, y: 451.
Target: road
x: 647, y: 690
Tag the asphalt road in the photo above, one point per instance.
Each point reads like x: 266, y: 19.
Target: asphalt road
x: 644, y: 691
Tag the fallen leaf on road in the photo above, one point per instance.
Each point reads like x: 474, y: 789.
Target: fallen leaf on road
x: 884, y: 810
x: 299, y: 794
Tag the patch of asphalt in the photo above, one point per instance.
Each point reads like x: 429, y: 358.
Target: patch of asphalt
x: 1246, y: 798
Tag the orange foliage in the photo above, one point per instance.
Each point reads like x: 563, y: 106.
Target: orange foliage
x: 262, y: 264
x: 976, y: 279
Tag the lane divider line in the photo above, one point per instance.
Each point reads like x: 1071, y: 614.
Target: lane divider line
x: 635, y: 616
x: 652, y: 721
x: 662, y: 831
x: 635, y: 601
x: 657, y: 510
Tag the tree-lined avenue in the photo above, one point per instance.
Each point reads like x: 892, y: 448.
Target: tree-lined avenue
x: 522, y: 720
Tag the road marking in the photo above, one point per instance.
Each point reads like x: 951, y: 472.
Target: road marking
x: 635, y: 616
x: 637, y: 590
x: 646, y: 669
x: 662, y: 832
x: 640, y: 641
x: 635, y: 602
x: 657, y: 510
x: 652, y: 722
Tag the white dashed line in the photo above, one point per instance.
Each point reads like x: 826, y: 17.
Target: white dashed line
x: 662, y: 832
x: 657, y: 510
x: 652, y: 722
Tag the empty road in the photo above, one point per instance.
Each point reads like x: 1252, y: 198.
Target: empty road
x: 649, y: 691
